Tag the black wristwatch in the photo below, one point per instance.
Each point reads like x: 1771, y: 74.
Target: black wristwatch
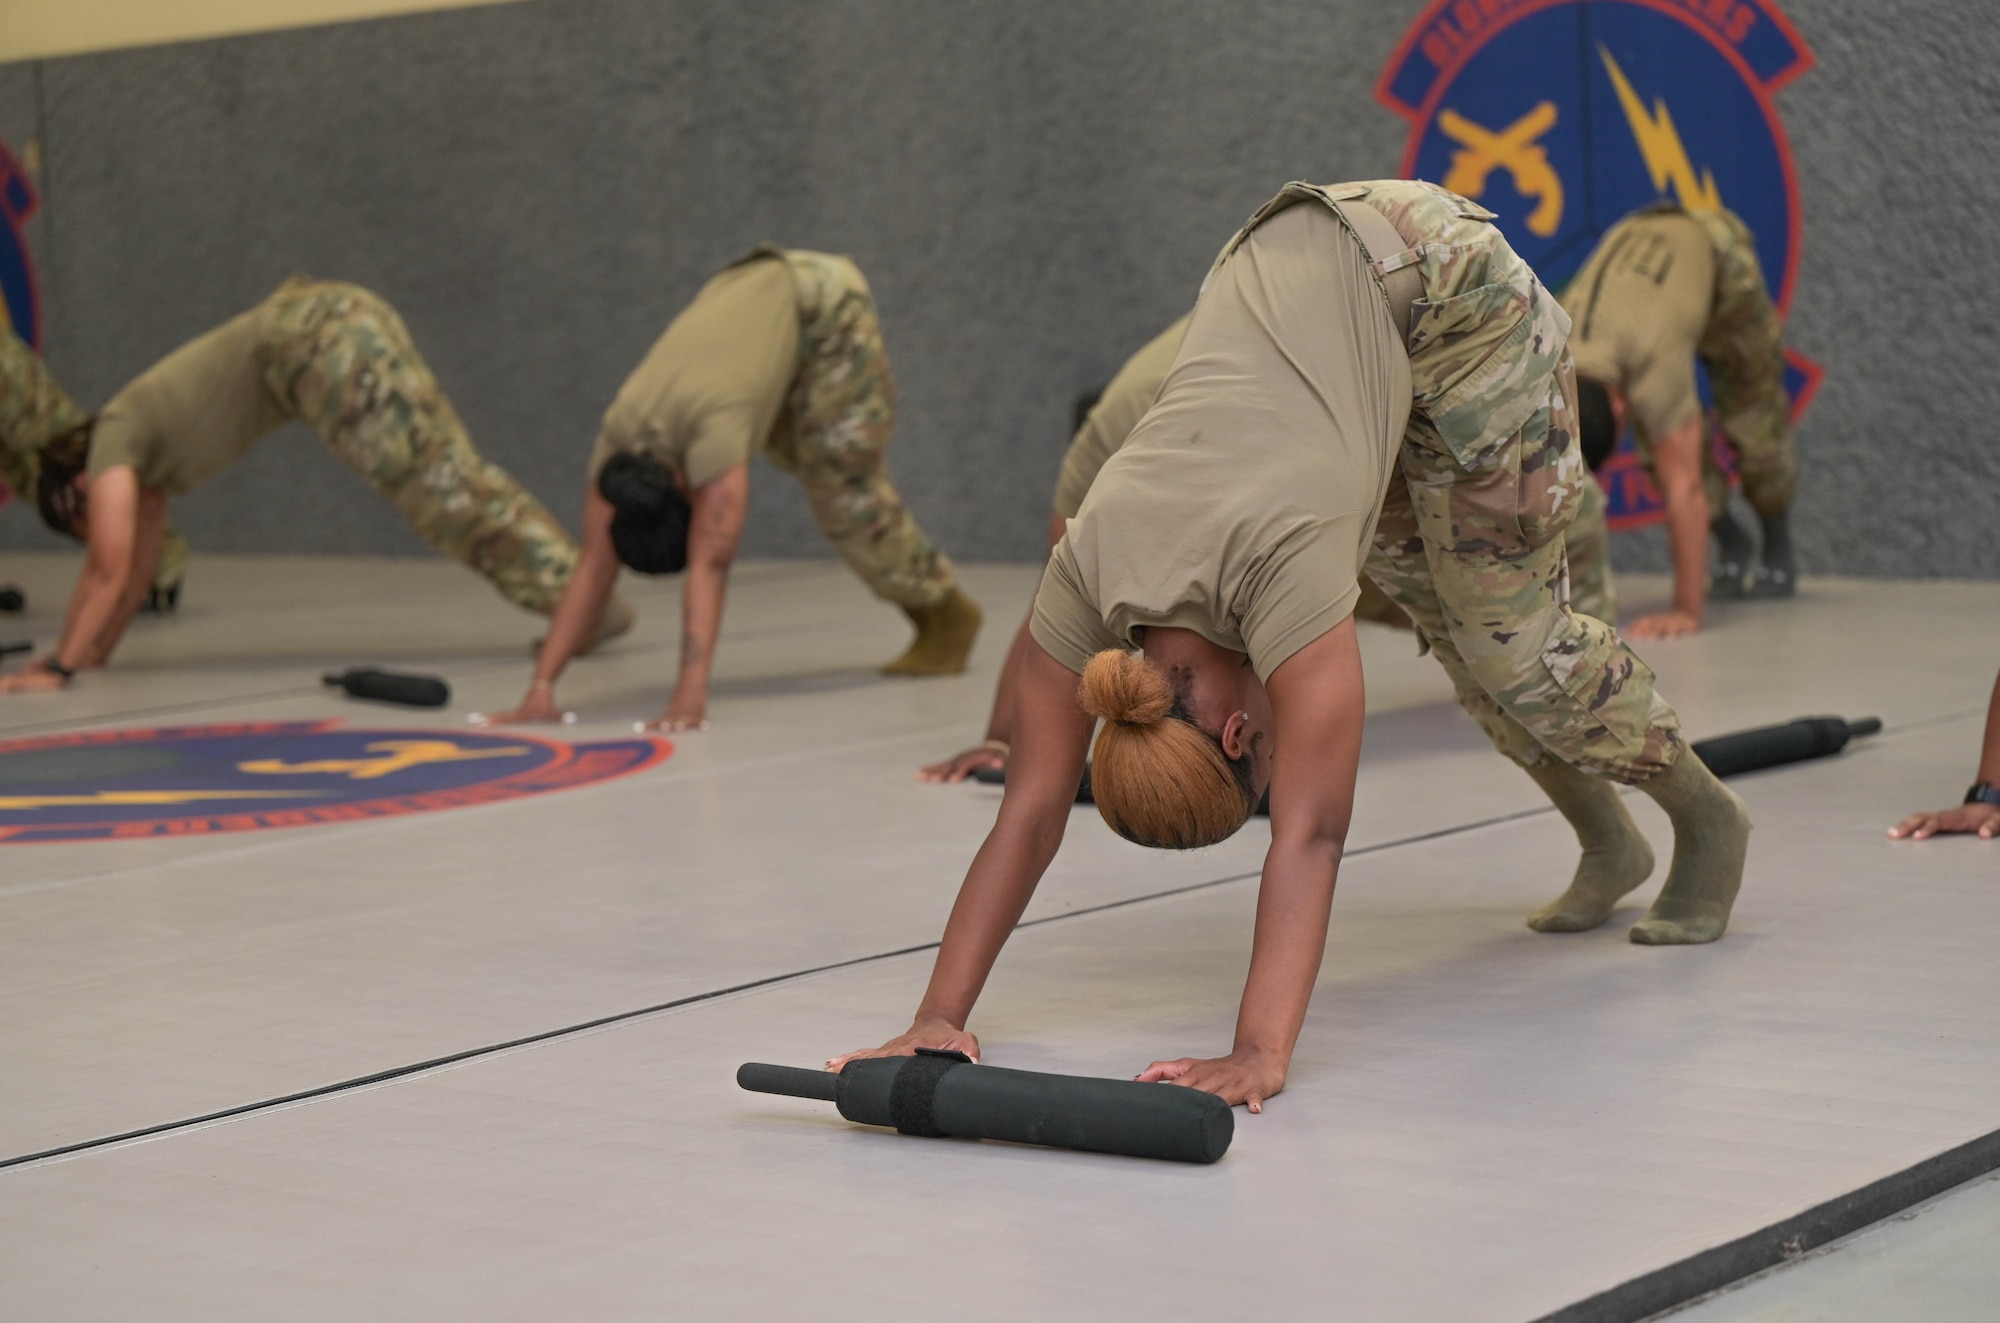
x: 53, y: 665
x: 1981, y: 793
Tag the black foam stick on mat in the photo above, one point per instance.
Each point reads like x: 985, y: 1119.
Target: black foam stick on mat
x: 9, y: 649
x: 941, y: 1094
x: 391, y: 687
x: 1774, y: 746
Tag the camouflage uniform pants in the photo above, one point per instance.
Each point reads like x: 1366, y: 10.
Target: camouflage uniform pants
x: 1587, y: 547
x: 340, y: 360
x: 833, y: 433
x: 34, y: 408
x: 1477, y: 558
x: 1743, y: 347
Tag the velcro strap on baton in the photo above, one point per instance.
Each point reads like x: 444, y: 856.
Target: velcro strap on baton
x: 913, y: 1093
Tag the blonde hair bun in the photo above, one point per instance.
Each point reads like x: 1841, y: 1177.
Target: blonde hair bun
x: 1122, y: 688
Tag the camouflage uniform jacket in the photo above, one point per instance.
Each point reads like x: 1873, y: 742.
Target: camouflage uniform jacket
x: 1485, y: 336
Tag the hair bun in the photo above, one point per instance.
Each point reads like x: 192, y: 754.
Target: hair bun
x: 637, y: 483
x: 1120, y: 687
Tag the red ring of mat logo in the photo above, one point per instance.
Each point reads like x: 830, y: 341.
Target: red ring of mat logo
x: 254, y: 776
x: 1561, y: 116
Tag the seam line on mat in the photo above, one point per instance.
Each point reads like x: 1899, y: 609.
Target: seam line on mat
x: 618, y: 1017
x: 774, y: 980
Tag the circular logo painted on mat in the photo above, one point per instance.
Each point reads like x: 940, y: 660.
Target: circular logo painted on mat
x: 199, y: 780
x: 1561, y: 116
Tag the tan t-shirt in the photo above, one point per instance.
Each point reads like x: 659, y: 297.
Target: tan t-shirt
x: 706, y: 395
x: 1113, y: 417
x: 193, y: 413
x: 1637, y: 312
x: 1243, y: 504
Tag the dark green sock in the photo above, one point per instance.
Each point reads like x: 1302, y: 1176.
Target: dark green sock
x: 1711, y: 838
x: 1616, y: 857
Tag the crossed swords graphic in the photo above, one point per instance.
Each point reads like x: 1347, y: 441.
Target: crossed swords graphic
x: 1513, y: 149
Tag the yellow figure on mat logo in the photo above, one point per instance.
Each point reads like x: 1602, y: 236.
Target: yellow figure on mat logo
x: 396, y: 756
x: 1513, y: 149
x: 1660, y: 145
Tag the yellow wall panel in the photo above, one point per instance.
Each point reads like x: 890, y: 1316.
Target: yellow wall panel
x: 31, y: 29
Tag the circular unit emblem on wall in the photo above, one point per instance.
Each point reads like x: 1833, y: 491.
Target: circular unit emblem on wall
x: 200, y: 780
x: 18, y: 201
x: 1562, y: 116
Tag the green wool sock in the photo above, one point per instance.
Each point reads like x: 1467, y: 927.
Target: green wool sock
x: 1711, y: 837
x: 1616, y: 857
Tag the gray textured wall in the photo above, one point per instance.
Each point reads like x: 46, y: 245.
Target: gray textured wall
x: 1034, y: 188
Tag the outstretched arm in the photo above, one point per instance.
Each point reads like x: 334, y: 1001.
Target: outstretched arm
x: 582, y: 602
x: 92, y: 626
x: 1981, y: 818
x: 1677, y: 459
x: 1000, y: 727
x: 147, y: 540
x: 716, y: 530
x: 1041, y: 789
x: 1317, y: 704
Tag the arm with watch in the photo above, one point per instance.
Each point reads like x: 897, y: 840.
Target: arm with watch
x: 1980, y: 813
x: 122, y: 546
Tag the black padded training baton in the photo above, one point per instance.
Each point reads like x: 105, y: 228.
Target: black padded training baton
x: 943, y: 1094
x: 1774, y: 746
x: 393, y: 687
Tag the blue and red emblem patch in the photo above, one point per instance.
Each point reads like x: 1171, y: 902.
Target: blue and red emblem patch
x: 1561, y: 116
x: 199, y: 780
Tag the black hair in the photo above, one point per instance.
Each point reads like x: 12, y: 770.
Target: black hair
x: 1079, y: 409
x: 650, y: 529
x: 61, y: 458
x: 1596, y: 423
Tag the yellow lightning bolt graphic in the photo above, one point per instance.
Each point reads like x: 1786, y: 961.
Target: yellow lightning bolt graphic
x: 1660, y: 145
x: 124, y: 798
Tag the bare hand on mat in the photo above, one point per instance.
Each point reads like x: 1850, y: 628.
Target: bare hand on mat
x: 35, y: 681
x: 934, y: 1034
x: 681, y: 714
x: 1665, y: 625
x: 539, y: 705
x: 1240, y: 1077
x: 1983, y: 819
x: 960, y: 766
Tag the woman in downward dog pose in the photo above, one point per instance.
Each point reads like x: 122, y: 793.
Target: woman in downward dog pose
x: 1372, y: 379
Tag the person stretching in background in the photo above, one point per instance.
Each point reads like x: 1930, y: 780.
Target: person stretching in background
x: 335, y: 357
x: 33, y: 408
x: 780, y: 353
x: 1980, y: 813
x: 1663, y: 288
